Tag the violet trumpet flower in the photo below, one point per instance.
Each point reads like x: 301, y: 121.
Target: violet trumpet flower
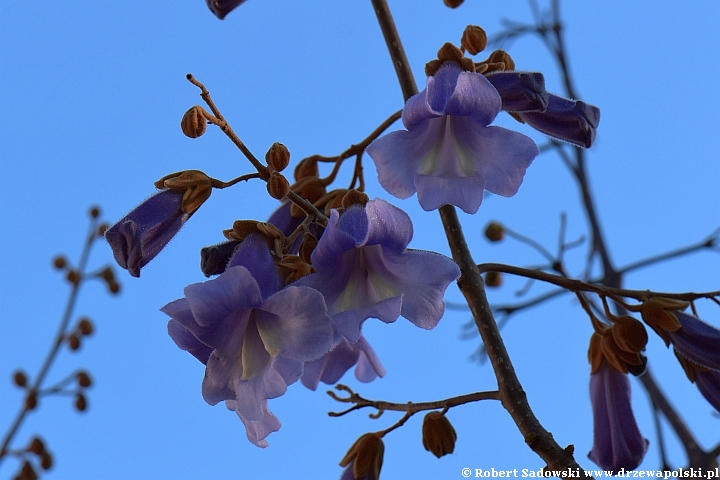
x: 449, y: 154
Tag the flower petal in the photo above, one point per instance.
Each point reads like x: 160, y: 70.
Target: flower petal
x: 474, y: 97
x: 257, y: 430
x: 571, y: 120
x: 388, y: 225
x: 185, y: 340
x: 617, y: 441
x: 708, y: 382
x: 294, y: 323
x: 520, y: 91
x: 697, y: 341
x: 254, y: 254
x: 222, y: 7
x: 463, y: 192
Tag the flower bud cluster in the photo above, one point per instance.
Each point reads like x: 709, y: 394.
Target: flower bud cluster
x: 620, y: 345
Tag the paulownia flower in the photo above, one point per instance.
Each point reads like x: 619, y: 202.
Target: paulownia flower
x: 697, y: 341
x: 617, y: 441
x: 365, y: 270
x: 332, y: 366
x: 139, y: 236
x: 252, y: 336
x: 571, y: 120
x: 449, y: 154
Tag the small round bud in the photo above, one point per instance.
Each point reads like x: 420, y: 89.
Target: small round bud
x: 73, y: 276
x: 85, y: 326
x: 59, y: 262
x: 474, y: 39
x: 83, y: 379
x: 629, y: 334
x: 114, y: 287
x: 31, y: 401
x: 277, y: 157
x: 501, y: 56
x: 102, y: 229
x: 73, y: 342
x: 494, y: 232
x: 278, y: 186
x: 453, y: 3
x: 19, y: 378
x: 306, y: 168
x: 449, y: 52
x: 27, y: 472
x: 193, y: 123
x: 80, y: 402
x: 94, y: 212
x: 46, y: 461
x: 354, y: 197
x: 493, y: 279
x: 37, y: 446
x: 438, y: 434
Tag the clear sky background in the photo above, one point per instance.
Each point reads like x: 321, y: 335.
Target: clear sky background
x: 93, y: 96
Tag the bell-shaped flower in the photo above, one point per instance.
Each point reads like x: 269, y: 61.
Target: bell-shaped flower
x: 697, y: 341
x: 222, y: 7
x: 573, y: 121
x: 520, y: 91
x: 332, y: 366
x: 365, y: 270
x: 449, y: 154
x: 139, y: 236
x: 253, y: 336
x: 705, y: 379
x: 617, y: 441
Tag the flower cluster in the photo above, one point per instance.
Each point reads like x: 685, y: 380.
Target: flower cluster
x: 256, y: 335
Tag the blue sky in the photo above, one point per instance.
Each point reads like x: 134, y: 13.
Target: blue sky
x: 94, y: 92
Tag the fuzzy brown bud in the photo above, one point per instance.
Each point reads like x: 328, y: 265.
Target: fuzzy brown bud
x: 196, y: 185
x: 307, y: 246
x: 193, y: 123
x: 46, y: 461
x: 27, y: 472
x: 277, y: 157
x: 85, y: 326
x: 438, y: 434
x: 367, y: 454
x: 354, y: 197
x: 494, y: 232
x: 629, y: 334
x: 449, y: 53
x: 474, y: 39
x: 59, y: 262
x: 83, y: 379
x: 658, y: 314
x: 493, y: 279
x: 80, y: 402
x: 94, y: 212
x: 453, y: 3
x: 31, y: 400
x: 19, y: 378
x: 37, y: 446
x: 73, y: 342
x: 278, y: 186
x: 114, y: 287
x: 73, y: 276
x: 308, y: 167
x: 502, y: 57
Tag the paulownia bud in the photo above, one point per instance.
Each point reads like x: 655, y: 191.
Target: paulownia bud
x: 367, y: 456
x: 193, y: 123
x: 474, y: 39
x: 306, y: 168
x: 277, y: 157
x: 493, y: 279
x: 83, y: 379
x: 438, y: 434
x: 241, y: 229
x: 453, y: 3
x: 19, y: 379
x: 494, y: 232
x: 46, y: 461
x: 278, y: 186
x: 354, y: 197
x: 80, y: 402
x: 629, y: 334
x: 85, y: 326
x: 37, y: 446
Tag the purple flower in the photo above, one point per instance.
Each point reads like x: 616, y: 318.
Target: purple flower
x: 520, y: 91
x: 331, y: 367
x: 617, y: 441
x: 708, y: 382
x: 697, y: 341
x: 139, y: 236
x: 252, y: 336
x: 571, y: 120
x: 222, y: 7
x: 365, y: 270
x: 449, y: 154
